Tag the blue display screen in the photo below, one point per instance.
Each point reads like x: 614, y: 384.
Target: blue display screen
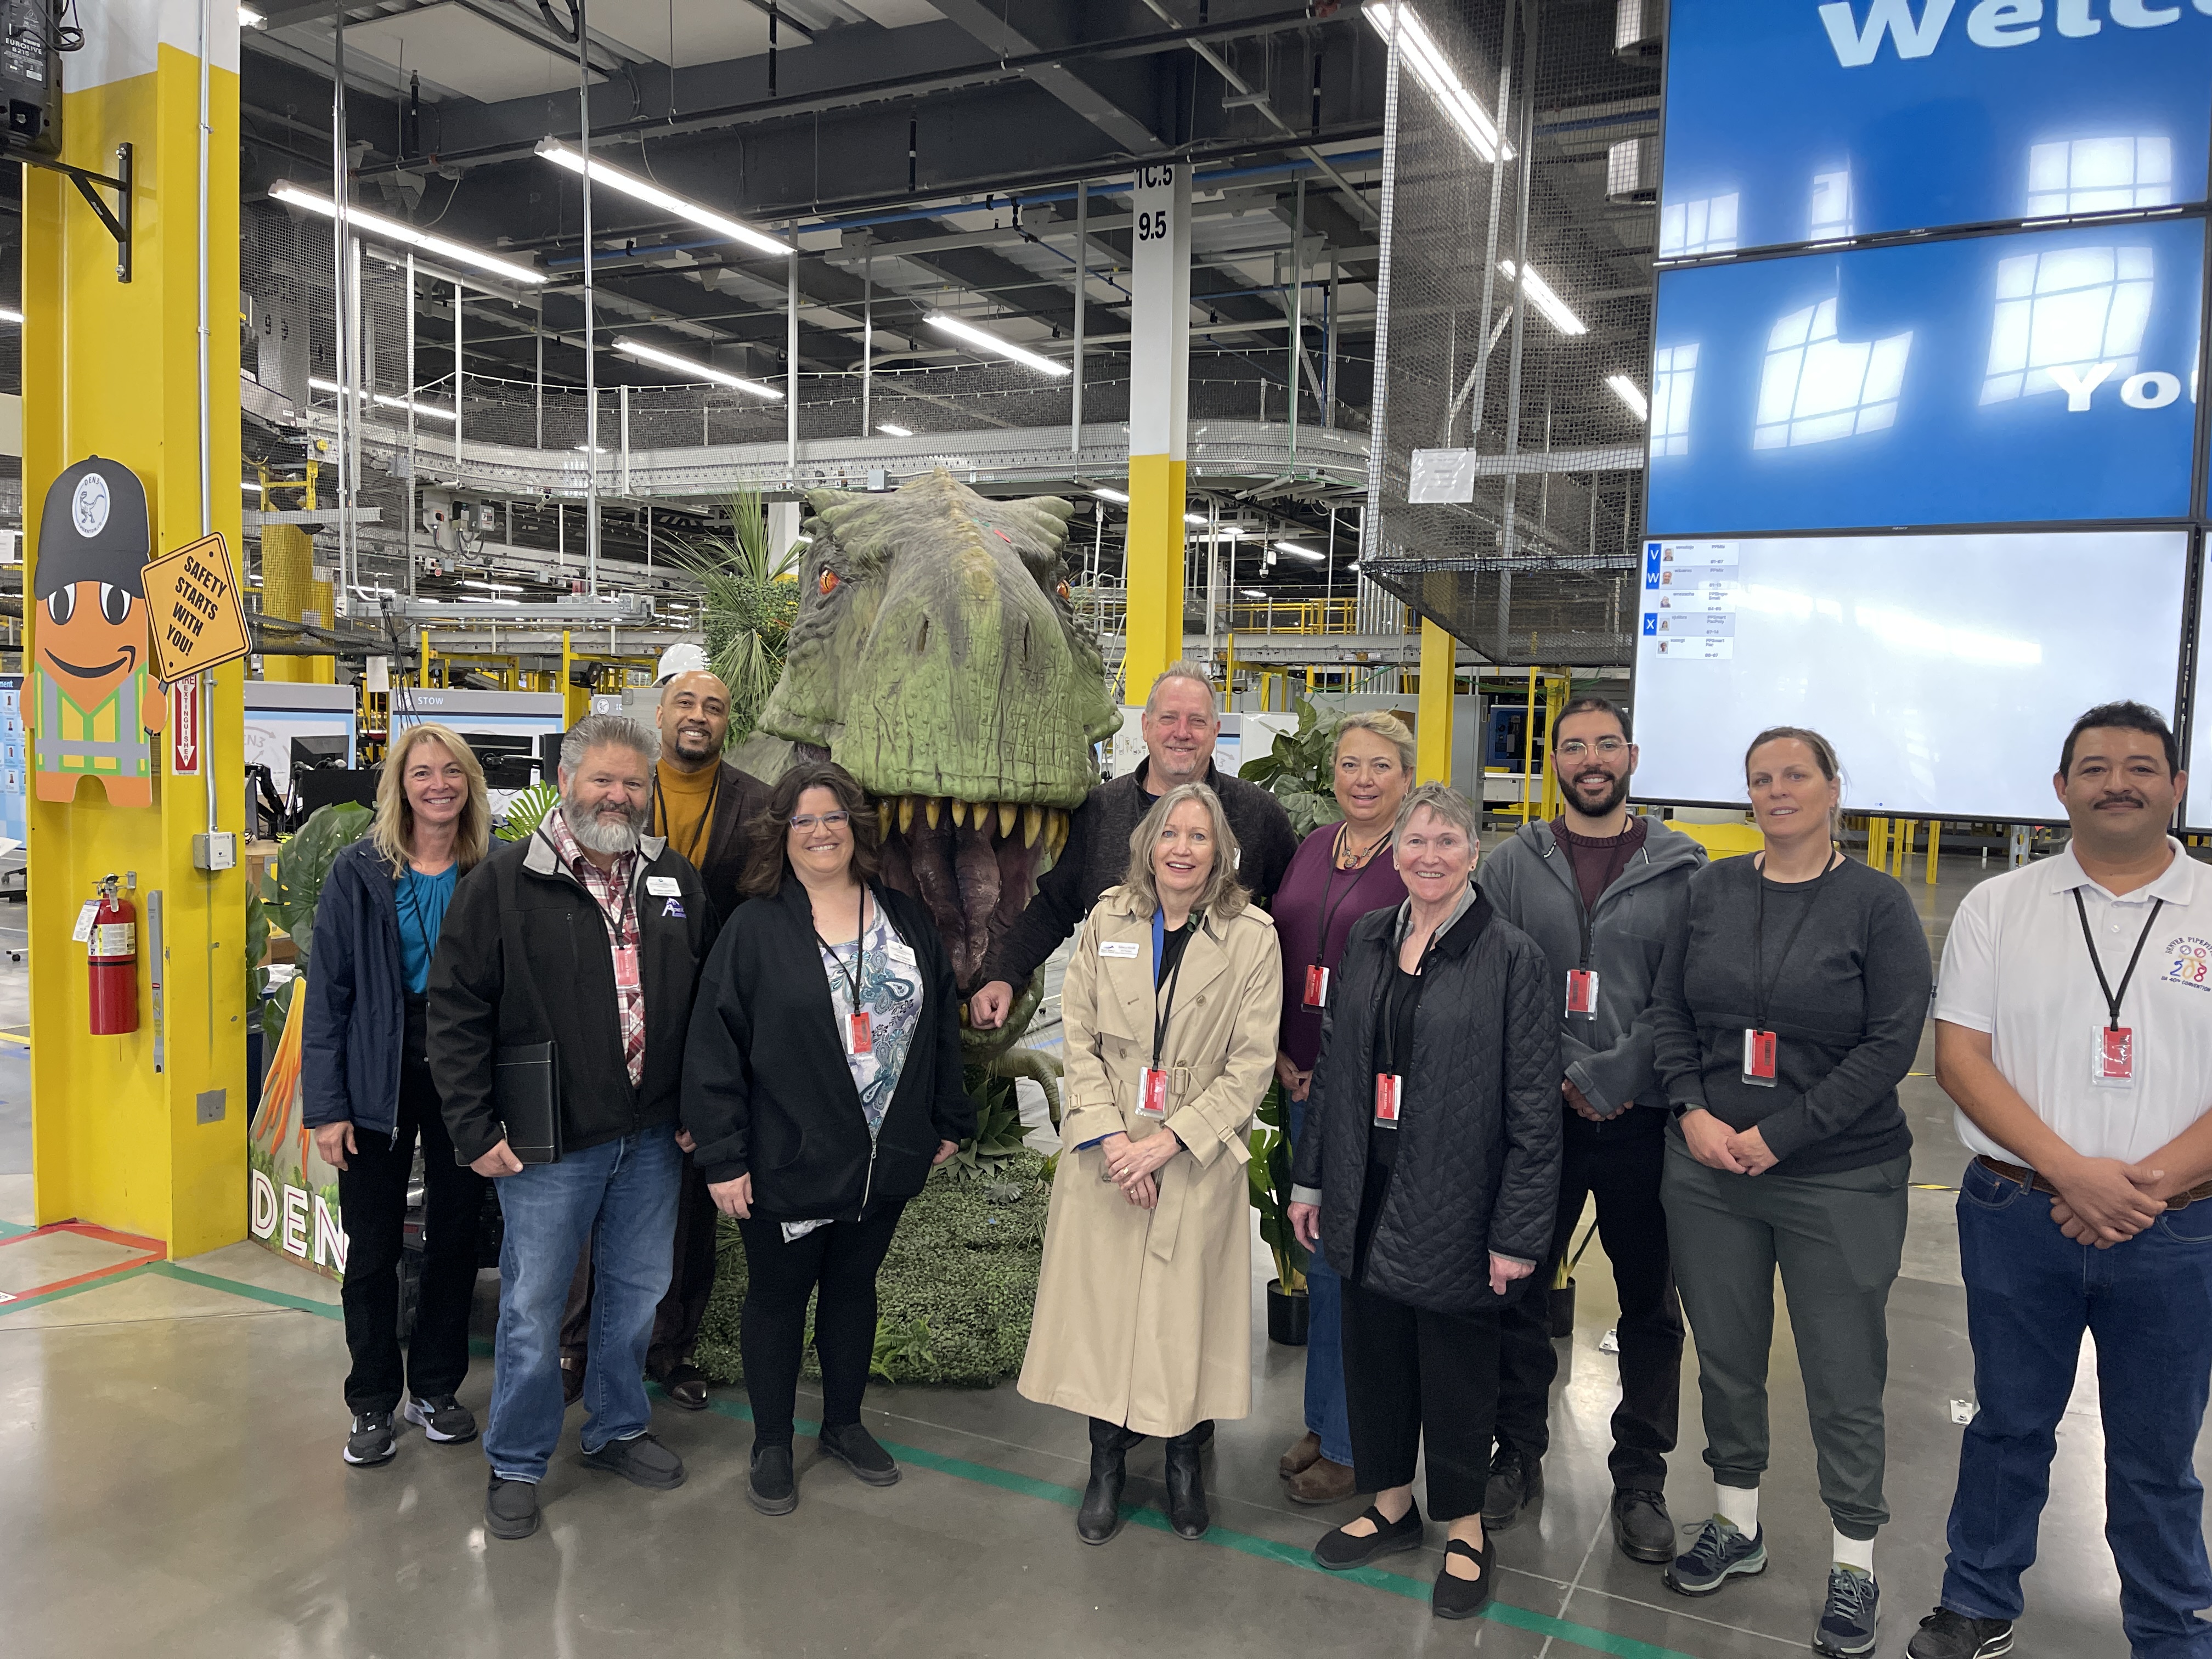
x: 2038, y: 377
x: 1792, y: 121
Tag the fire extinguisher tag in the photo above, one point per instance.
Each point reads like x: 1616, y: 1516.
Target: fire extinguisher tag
x: 82, y: 934
x: 115, y: 939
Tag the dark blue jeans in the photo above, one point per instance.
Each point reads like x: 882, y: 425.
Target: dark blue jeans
x: 1326, y: 1413
x: 626, y: 1190
x: 2030, y: 1294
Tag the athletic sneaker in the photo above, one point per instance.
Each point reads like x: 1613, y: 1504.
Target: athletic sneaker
x: 442, y: 1418
x: 370, y: 1443
x: 1719, y: 1552
x: 1847, y: 1623
x: 1944, y: 1634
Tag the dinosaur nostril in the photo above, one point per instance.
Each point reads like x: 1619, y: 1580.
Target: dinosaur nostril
x: 921, y: 639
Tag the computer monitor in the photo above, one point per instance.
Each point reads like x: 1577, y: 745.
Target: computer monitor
x: 321, y: 750
x: 330, y: 785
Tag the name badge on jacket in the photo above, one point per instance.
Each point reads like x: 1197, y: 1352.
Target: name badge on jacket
x: 1117, y: 947
x: 663, y: 886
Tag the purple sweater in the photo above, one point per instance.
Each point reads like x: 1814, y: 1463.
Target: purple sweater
x: 1351, y: 894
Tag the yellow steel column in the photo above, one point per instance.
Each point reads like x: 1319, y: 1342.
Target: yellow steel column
x: 1159, y: 378
x: 289, y: 590
x: 1433, y: 736
x: 144, y: 1132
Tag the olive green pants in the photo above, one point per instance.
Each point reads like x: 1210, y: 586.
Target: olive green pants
x: 1837, y: 1239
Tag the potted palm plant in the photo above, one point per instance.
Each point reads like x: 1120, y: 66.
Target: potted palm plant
x: 1269, y: 1173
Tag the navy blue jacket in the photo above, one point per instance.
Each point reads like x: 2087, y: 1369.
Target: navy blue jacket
x: 356, y: 991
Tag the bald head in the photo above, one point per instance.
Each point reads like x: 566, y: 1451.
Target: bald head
x: 694, y: 718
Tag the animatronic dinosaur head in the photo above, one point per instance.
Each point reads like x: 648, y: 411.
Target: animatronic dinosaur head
x: 936, y: 657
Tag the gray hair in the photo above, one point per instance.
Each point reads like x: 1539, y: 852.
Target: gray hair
x: 1384, y: 725
x: 601, y: 731
x: 1222, y: 895
x: 1185, y: 669
x: 1444, y: 802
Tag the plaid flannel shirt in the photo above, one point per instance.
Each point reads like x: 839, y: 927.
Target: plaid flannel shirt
x: 611, y: 890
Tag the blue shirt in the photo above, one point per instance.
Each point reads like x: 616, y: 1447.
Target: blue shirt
x: 422, y: 901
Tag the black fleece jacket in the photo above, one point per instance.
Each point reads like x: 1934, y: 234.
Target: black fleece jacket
x: 766, y: 1088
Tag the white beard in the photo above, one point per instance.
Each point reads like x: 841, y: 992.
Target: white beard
x: 595, y: 832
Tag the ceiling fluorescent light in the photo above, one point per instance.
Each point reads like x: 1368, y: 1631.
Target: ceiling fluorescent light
x: 1421, y: 55
x: 1541, y: 296
x: 1296, y: 551
x: 1627, y: 391
x: 614, y: 178
x: 1107, y: 493
x: 365, y: 224
x: 9, y: 316
x: 1254, y: 592
x: 251, y: 487
x: 1198, y: 519
x: 249, y: 19
x: 992, y: 346
x: 891, y: 431
x: 686, y: 366
x: 318, y: 383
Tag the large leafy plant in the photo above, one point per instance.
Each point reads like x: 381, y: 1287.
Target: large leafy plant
x: 998, y: 1137
x: 747, y: 601
x: 1269, y: 1174
x: 1296, y: 770
x: 527, y: 811
x: 293, y: 889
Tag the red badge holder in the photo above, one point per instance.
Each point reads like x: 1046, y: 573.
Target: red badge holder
x: 626, y: 967
x: 2113, y: 1063
x: 1758, y: 1058
x: 1153, y: 1100
x: 860, y: 1033
x: 1581, y: 992
x: 1317, y: 985
x: 1389, y: 1099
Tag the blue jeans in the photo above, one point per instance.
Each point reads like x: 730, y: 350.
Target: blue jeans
x: 1326, y: 1413
x: 626, y: 1190
x: 2030, y: 1293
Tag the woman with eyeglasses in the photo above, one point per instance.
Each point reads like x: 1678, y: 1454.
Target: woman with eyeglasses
x: 821, y: 1082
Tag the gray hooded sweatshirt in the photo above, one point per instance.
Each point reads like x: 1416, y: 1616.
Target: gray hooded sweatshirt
x: 1531, y: 881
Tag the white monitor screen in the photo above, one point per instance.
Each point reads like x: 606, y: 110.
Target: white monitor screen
x: 2196, y: 809
x: 1945, y: 668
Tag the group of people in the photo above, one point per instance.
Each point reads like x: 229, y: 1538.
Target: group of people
x: 745, y: 1020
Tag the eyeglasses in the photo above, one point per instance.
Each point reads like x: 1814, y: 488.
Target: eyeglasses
x: 826, y: 820
x: 1574, y: 748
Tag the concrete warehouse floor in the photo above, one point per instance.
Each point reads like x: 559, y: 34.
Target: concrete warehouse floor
x: 170, y: 1483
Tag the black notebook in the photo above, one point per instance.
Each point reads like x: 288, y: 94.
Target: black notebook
x: 525, y: 1092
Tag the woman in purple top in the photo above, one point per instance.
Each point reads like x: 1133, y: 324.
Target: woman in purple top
x: 1340, y: 872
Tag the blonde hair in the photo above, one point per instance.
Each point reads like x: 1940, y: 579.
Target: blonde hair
x: 1384, y: 725
x: 1221, y: 895
x: 393, y: 831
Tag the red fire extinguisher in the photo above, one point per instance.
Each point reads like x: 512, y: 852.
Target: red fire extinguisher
x: 112, y: 963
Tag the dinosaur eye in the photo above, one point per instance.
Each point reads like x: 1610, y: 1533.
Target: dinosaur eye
x: 828, y: 582
x: 61, y: 604
x: 1062, y: 591
x: 114, y: 604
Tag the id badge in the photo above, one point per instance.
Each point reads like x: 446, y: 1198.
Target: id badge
x: 860, y: 1033
x: 1581, y: 992
x: 2113, y: 1061
x: 1316, y: 986
x: 1389, y: 1099
x: 1152, y: 1098
x: 1758, y: 1058
x: 626, y: 967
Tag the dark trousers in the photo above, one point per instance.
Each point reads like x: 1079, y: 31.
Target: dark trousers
x: 1620, y: 1166
x: 676, y: 1321
x: 1412, y: 1376
x: 373, y: 1204
x: 2031, y: 1292
x: 842, y: 1259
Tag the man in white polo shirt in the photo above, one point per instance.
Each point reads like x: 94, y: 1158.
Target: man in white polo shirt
x: 2074, y: 1031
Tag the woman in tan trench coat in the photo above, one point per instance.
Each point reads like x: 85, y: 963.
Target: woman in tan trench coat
x: 1144, y: 1310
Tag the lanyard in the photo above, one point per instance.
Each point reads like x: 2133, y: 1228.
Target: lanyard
x: 1761, y: 986
x: 413, y: 907
x: 706, y: 818
x: 2112, y: 996
x: 1392, y: 993
x: 1162, y: 1010
x: 1358, y: 871
x: 859, y: 952
x: 617, y: 924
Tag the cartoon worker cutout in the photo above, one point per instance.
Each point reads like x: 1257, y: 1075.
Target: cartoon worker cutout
x: 94, y: 700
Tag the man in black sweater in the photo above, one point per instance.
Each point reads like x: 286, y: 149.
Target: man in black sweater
x: 1181, y: 721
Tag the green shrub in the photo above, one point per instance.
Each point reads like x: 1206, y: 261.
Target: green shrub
x: 955, y: 1292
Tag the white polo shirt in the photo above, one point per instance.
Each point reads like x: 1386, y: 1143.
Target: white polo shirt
x: 2015, y: 965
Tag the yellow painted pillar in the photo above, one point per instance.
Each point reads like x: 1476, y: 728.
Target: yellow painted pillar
x: 289, y: 590
x: 1159, y: 404
x: 1432, y: 739
x: 143, y: 1132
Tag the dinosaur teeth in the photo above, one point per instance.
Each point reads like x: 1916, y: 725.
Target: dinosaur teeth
x: 1007, y: 813
x: 905, y: 813
x: 1032, y: 823
x: 932, y: 806
x: 1055, y: 832
x: 959, y: 813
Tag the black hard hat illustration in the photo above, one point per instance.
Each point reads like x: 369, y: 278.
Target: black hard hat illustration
x: 95, y: 529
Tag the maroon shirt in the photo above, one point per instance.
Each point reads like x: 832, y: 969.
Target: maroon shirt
x: 1598, y: 863
x: 1311, y: 883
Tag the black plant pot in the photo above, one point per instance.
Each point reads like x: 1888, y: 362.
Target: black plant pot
x: 1287, y: 1312
x: 1563, y: 1309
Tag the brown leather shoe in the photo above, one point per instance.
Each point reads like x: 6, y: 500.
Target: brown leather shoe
x: 685, y: 1385
x: 1322, y: 1482
x: 1301, y: 1455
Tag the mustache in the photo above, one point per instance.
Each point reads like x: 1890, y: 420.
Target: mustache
x: 2121, y: 797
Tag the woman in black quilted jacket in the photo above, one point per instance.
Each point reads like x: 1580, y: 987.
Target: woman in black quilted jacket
x: 1427, y: 1176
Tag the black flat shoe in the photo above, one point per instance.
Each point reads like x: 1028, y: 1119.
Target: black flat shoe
x: 1463, y: 1598
x: 861, y: 1452
x: 685, y: 1386
x: 1187, y: 1488
x: 1339, y: 1550
x: 769, y: 1487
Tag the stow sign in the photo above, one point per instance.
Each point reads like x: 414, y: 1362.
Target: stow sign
x: 2038, y: 377
x: 1794, y: 121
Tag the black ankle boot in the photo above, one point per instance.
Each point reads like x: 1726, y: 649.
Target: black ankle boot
x: 1186, y: 1488
x: 1100, y: 1518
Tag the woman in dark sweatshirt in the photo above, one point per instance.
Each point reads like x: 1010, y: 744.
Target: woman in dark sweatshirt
x: 1788, y: 1008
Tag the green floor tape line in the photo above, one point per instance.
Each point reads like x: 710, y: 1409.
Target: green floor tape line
x: 10, y: 1228
x: 66, y: 1292
x: 255, y: 1292
x: 1266, y: 1549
